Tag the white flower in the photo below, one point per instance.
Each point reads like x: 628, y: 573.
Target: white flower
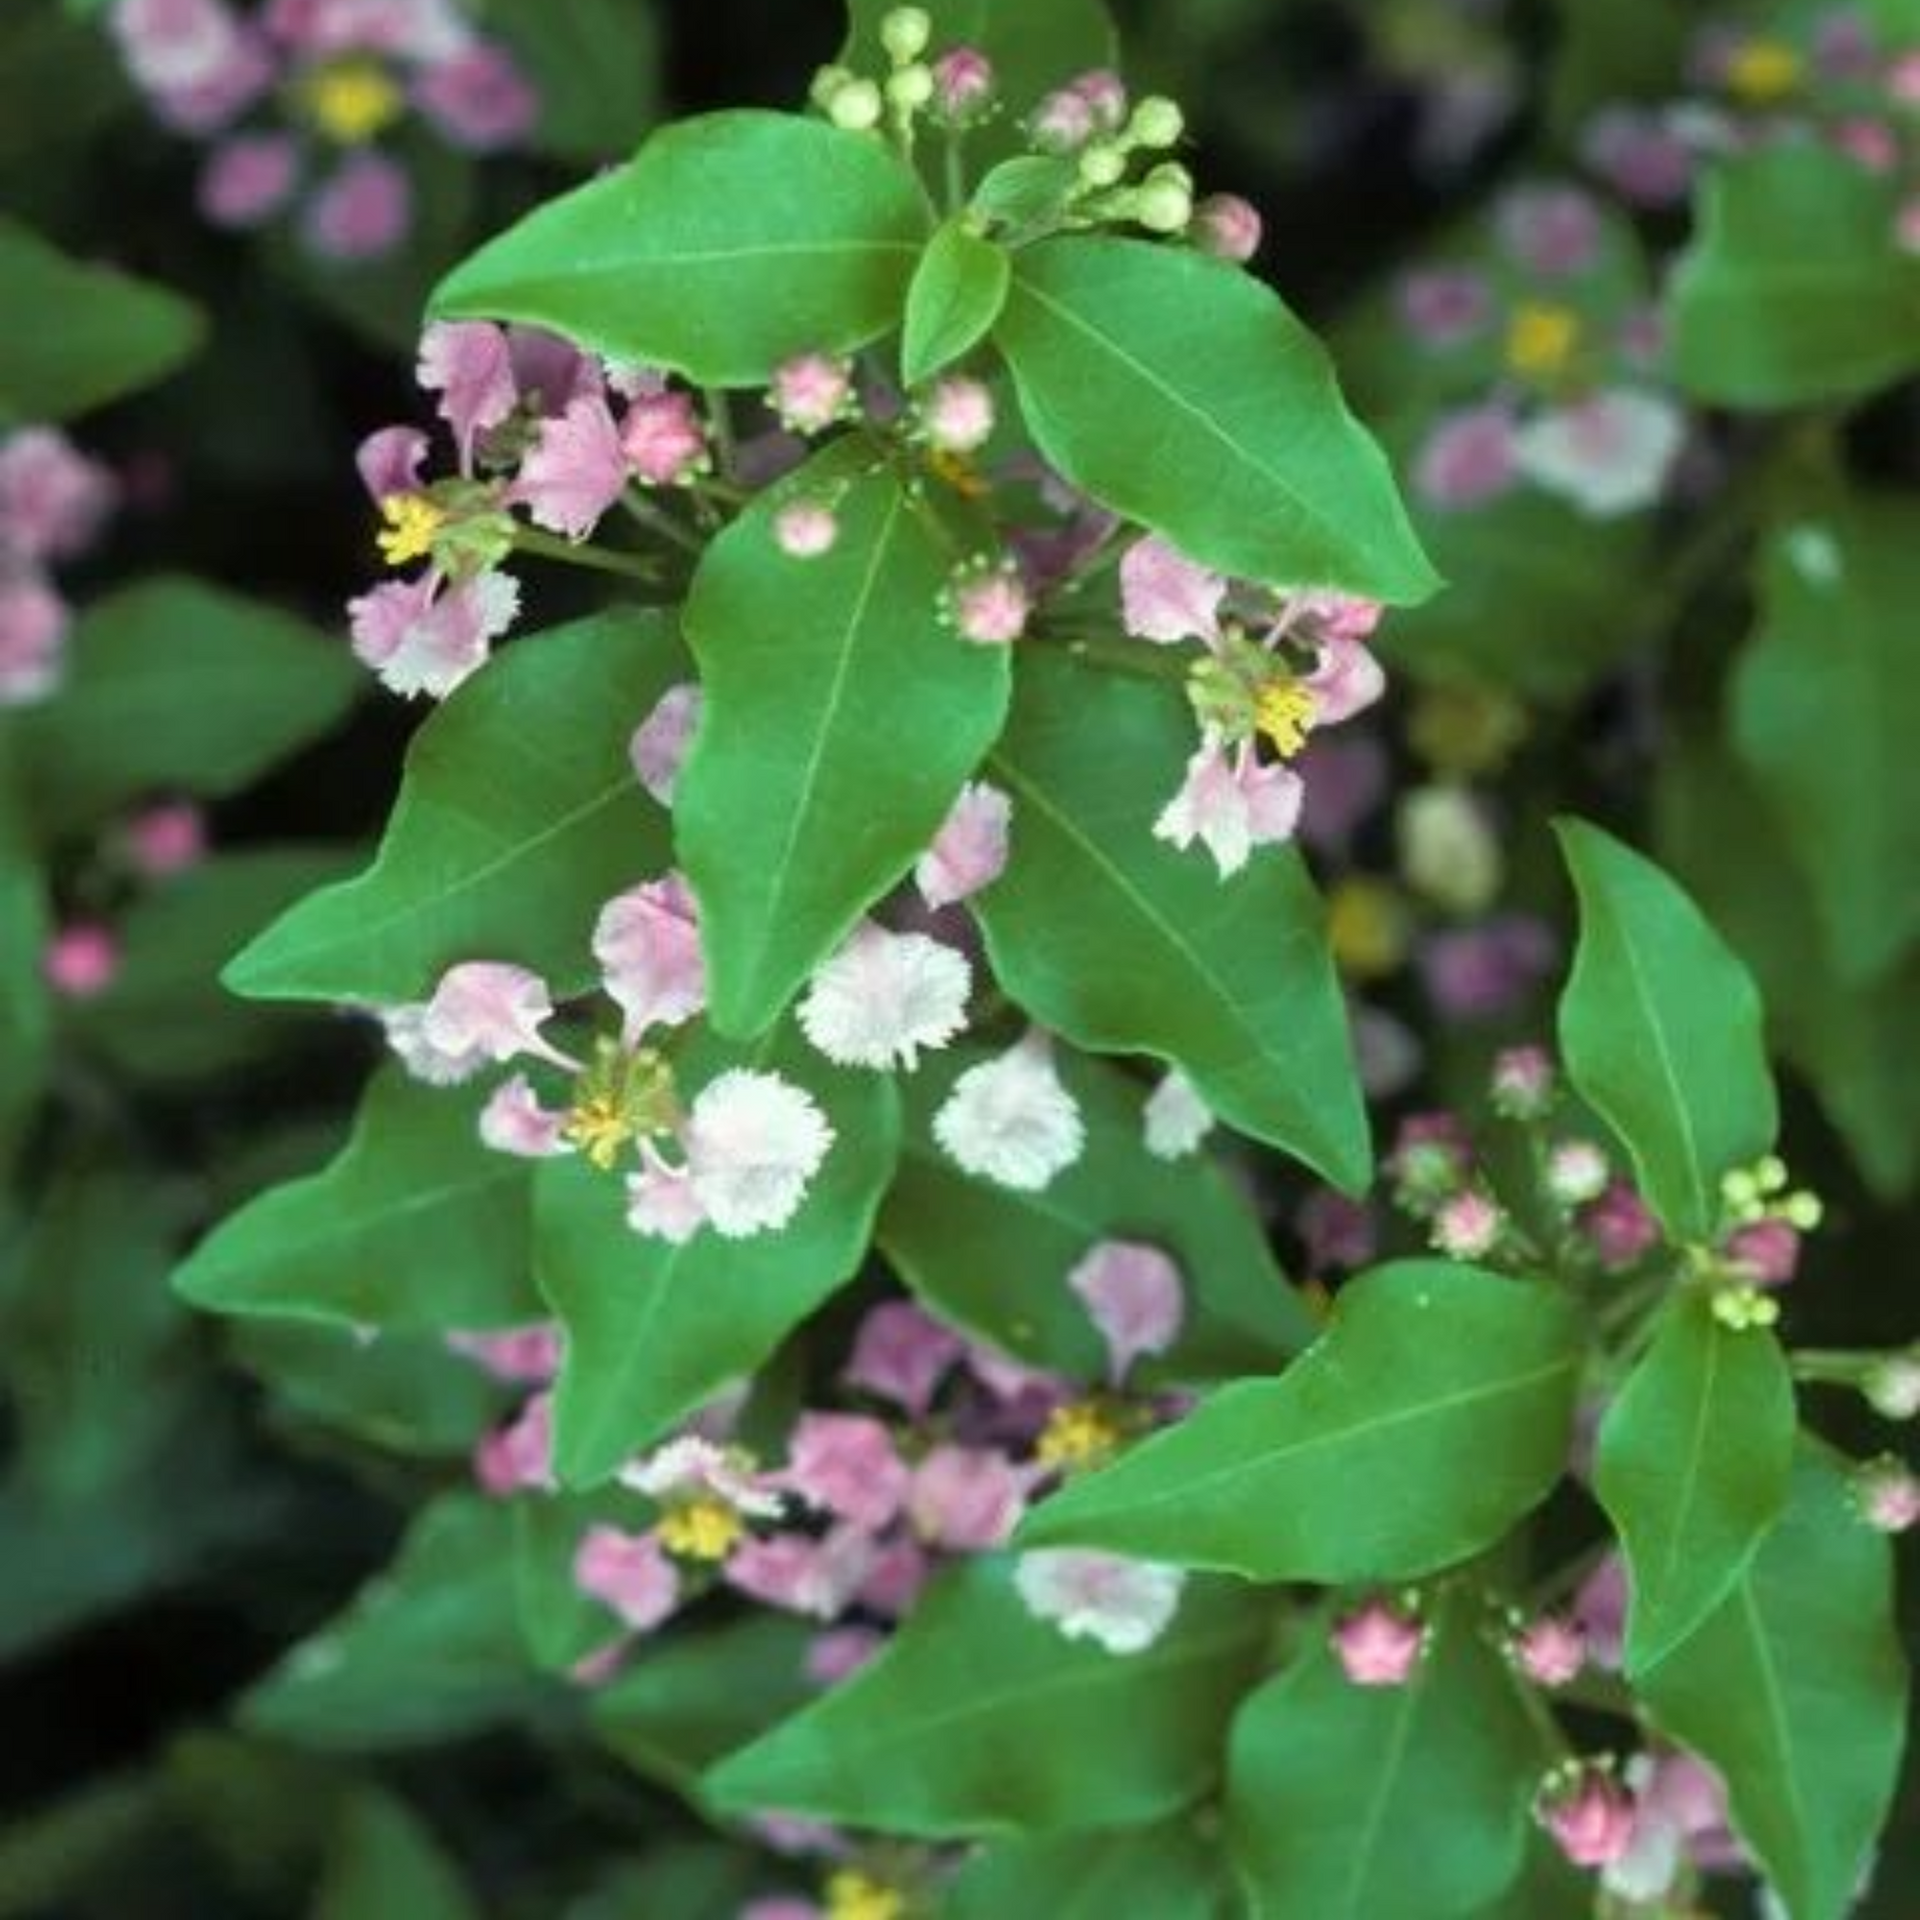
x: 753, y: 1144
x: 1010, y: 1119
x: 1177, y: 1119
x: 1126, y: 1605
x: 1232, y: 803
x: 1608, y: 456
x: 662, y: 1204
x: 884, y: 996
x: 690, y: 1467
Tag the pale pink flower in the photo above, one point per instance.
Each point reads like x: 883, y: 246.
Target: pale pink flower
x: 834, y: 1656
x: 1468, y: 1225
x: 171, y: 46
x: 1135, y: 1296
x: 970, y: 850
x: 1106, y: 96
x: 1165, y: 597
x: 1577, y: 1172
x: 518, y: 1356
x: 1644, y: 156
x: 81, y: 961
x: 753, y: 1145
x: 630, y: 1573
x: 425, y: 637
x: 1062, y: 123
x: 405, y: 1030
x: 493, y: 1009
x: 805, y: 529
x: 247, y: 179
x: 1379, y: 1646
x: 1608, y: 455
x: 1469, y: 459
x: 966, y: 1499
x: 478, y: 98
x: 549, y: 371
x: 1231, y: 802
x: 1444, y: 306
x: 1227, y: 227
x: 361, y: 211
x: 1347, y: 679
x: 1588, y: 1815
x: 389, y: 461
x: 899, y: 1574
x: 52, y: 497
x: 812, y: 391
x: 1600, y: 1608
x: 817, y: 1578
x: 518, y: 1458
x: 963, y: 85
x: 958, y: 415
x: 1011, y: 1120
x: 1523, y: 1083
x: 902, y: 1355
x: 1335, y: 616
x: 693, y: 1468
x: 647, y: 941
x: 1551, y: 231
x: 1176, y: 1119
x: 575, y: 470
x: 33, y: 633
x: 1551, y: 1650
x: 846, y: 1464
x: 884, y: 997
x: 662, y: 1205
x: 990, y: 605
x: 660, y: 742
x: 514, y: 1121
x: 1123, y: 1605
x: 663, y: 439
x: 468, y: 364
x: 165, y: 839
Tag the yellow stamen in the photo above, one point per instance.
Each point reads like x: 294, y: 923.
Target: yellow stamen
x: 413, y: 523
x: 852, y: 1895
x: 1283, y: 711
x: 599, y: 1127
x: 1542, y: 339
x: 1082, y: 1434
x: 353, y: 101
x: 1367, y: 928
x: 959, y: 473
x: 1763, y: 72
x: 705, y: 1528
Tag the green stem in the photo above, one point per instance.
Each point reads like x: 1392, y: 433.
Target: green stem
x: 655, y: 520
x: 547, y: 546
x: 1134, y: 658
x: 955, y: 162
x: 720, y: 417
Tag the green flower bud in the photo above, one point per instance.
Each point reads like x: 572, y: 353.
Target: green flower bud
x: 856, y: 105
x: 1103, y: 164
x: 905, y: 33
x: 1157, y: 122
x: 910, y: 89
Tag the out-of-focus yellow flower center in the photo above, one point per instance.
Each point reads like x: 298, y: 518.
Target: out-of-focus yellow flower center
x: 1082, y: 1434
x: 1367, y: 928
x: 1542, y: 339
x: 413, y: 523
x: 705, y: 1528
x: 852, y: 1895
x: 1283, y: 711
x: 599, y: 1126
x: 959, y: 473
x: 1763, y: 72
x: 353, y: 101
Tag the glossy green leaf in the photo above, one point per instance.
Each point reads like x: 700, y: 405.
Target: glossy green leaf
x: 1694, y: 1459
x: 177, y: 686
x: 594, y: 65
x: 519, y: 816
x: 81, y: 335
x: 1795, y: 1690
x: 24, y: 930
x: 980, y: 1720
x: 1661, y: 1027
x: 654, y: 1330
x: 1229, y: 980
x: 1168, y: 1872
x: 1384, y: 1803
x: 958, y: 290
x: 995, y: 1262
x: 417, y: 1225
x: 1826, y: 707
x: 1178, y: 390
x: 841, y: 718
x: 730, y: 242
x: 427, y: 1651
x: 1432, y: 1414
x: 1794, y: 291
x: 385, y: 1864
x: 562, y: 1624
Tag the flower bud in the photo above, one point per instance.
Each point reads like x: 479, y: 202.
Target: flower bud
x: 1227, y: 227
x: 855, y: 106
x: 905, y: 33
x: 81, y: 960
x: 1106, y: 96
x: 963, y: 85
x: 805, y: 529
x: 1550, y: 1651
x: 910, y: 89
x: 1577, y: 1172
x: 1379, y: 1646
x: 1888, y: 1495
x: 1767, y: 1253
x: 990, y: 605
x: 1468, y: 1226
x: 1063, y: 123
x: 1523, y: 1083
x: 1892, y: 1386
x: 811, y: 391
x: 827, y: 81
x: 1103, y: 164
x: 1587, y: 1813
x: 1164, y: 201
x: 959, y: 414
x: 1156, y: 122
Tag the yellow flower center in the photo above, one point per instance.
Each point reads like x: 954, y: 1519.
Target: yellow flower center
x: 959, y: 473
x: 1541, y: 339
x: 1763, y: 72
x: 353, y: 101
x: 1283, y: 711
x: 1082, y: 1434
x: 1367, y: 928
x: 599, y: 1126
x: 413, y: 523
x: 852, y: 1895
x: 704, y: 1528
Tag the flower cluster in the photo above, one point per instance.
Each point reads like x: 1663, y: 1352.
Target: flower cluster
x: 301, y: 100
x: 53, y: 501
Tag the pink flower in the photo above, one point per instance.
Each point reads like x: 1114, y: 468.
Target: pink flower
x: 753, y: 1145
x: 1468, y: 1225
x: 1227, y: 227
x: 1165, y: 597
x: 362, y: 211
x: 894, y: 1582
x: 518, y: 1356
x: 966, y: 1499
x: 576, y: 470
x: 958, y: 415
x: 1643, y: 156
x: 1588, y: 1815
x: 805, y: 529
x: 1680, y: 1813
x: 1551, y: 231
x: 1600, y: 1609
x: 81, y: 960
x: 901, y: 1355
x: 514, y: 1121
x: 247, y: 179
x: 478, y: 98
x: 990, y: 605
x: 171, y: 46
x: 1767, y: 1252
x: 661, y: 740
x: 1337, y: 1233
x: 1479, y: 973
x: 846, y: 1464
x: 33, y: 633
x: 1011, y: 1120
x: 1443, y: 306
x: 166, y: 839
x: 1550, y: 1650
x: 423, y: 637
x: 1346, y: 680
x: 811, y: 391
x: 963, y: 85
x: 1607, y: 455
x: 1062, y: 123
x: 493, y: 1009
x: 1122, y: 1605
x: 818, y: 1578
x: 518, y: 1458
x: 1523, y: 1083
x: 1469, y: 458
x: 1135, y: 1296
x: 389, y: 461
x: 548, y: 370
x: 1378, y: 1646
x: 839, y: 1653
x: 628, y: 1572
x: 694, y: 1468
x: 468, y: 364
x: 647, y: 941
x: 1620, y: 1228
x: 662, y: 1205
x: 970, y: 850
x: 1231, y: 802
x: 52, y: 497
x: 663, y: 439
x: 884, y: 997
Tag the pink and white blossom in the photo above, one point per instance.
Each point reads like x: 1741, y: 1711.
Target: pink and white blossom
x: 52, y: 497
x: 816, y: 1578
x: 1121, y: 1604
x: 490, y: 1008
x: 990, y: 605
x: 663, y: 439
x: 958, y: 415
x: 1011, y: 1120
x: 1378, y: 1645
x: 966, y: 1499
x: 1135, y: 1296
x: 426, y: 637
x: 661, y: 741
x: 754, y: 1143
x: 1231, y: 802
x: 647, y: 942
x: 1165, y: 597
x: 811, y: 392
x: 1607, y: 455
x: 469, y: 365
x: 514, y: 1121
x: 575, y: 470
x: 901, y: 1354
x: 970, y: 851
x: 846, y: 1464
x: 691, y: 1468
x: 884, y: 997
x: 630, y: 1573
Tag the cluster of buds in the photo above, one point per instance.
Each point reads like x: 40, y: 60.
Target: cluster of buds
x: 1091, y: 121
x: 955, y: 89
x: 54, y: 500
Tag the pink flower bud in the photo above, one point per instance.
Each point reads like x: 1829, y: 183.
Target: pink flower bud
x: 1062, y: 123
x: 806, y: 529
x: 1620, y: 1228
x: 1378, y: 1646
x: 81, y: 960
x: 959, y: 414
x: 519, y: 1456
x: 1588, y: 1815
x: 1871, y: 142
x: 1468, y: 1226
x: 1903, y: 79
x: 1523, y: 1083
x: 812, y: 391
x: 1888, y: 1494
x: 1106, y: 96
x: 963, y: 86
x: 1577, y: 1172
x: 1227, y: 227
x: 990, y: 605
x: 1550, y: 1651
x: 663, y: 439
x: 166, y: 839
x: 1767, y: 1252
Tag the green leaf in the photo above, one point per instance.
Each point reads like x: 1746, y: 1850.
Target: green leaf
x: 595, y: 66
x: 1694, y: 1459
x: 1825, y: 709
x: 385, y: 1864
x: 729, y: 243
x: 958, y: 290
x: 164, y: 1016
x: 1661, y: 1027
x: 177, y: 685
x: 841, y: 718
x: 560, y: 1622
x: 654, y: 1330
x: 1793, y: 291
x: 995, y: 1262
x: 1794, y: 1689
x: 426, y: 1652
x: 1229, y: 980
x: 1384, y: 1803
x: 416, y: 1226
x: 1432, y: 1414
x: 24, y: 932
x: 1169, y: 1872
x: 675, y: 1880
x: 519, y: 817
x: 693, y: 1697
x: 1177, y: 390
x: 78, y: 336
x: 980, y: 1720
